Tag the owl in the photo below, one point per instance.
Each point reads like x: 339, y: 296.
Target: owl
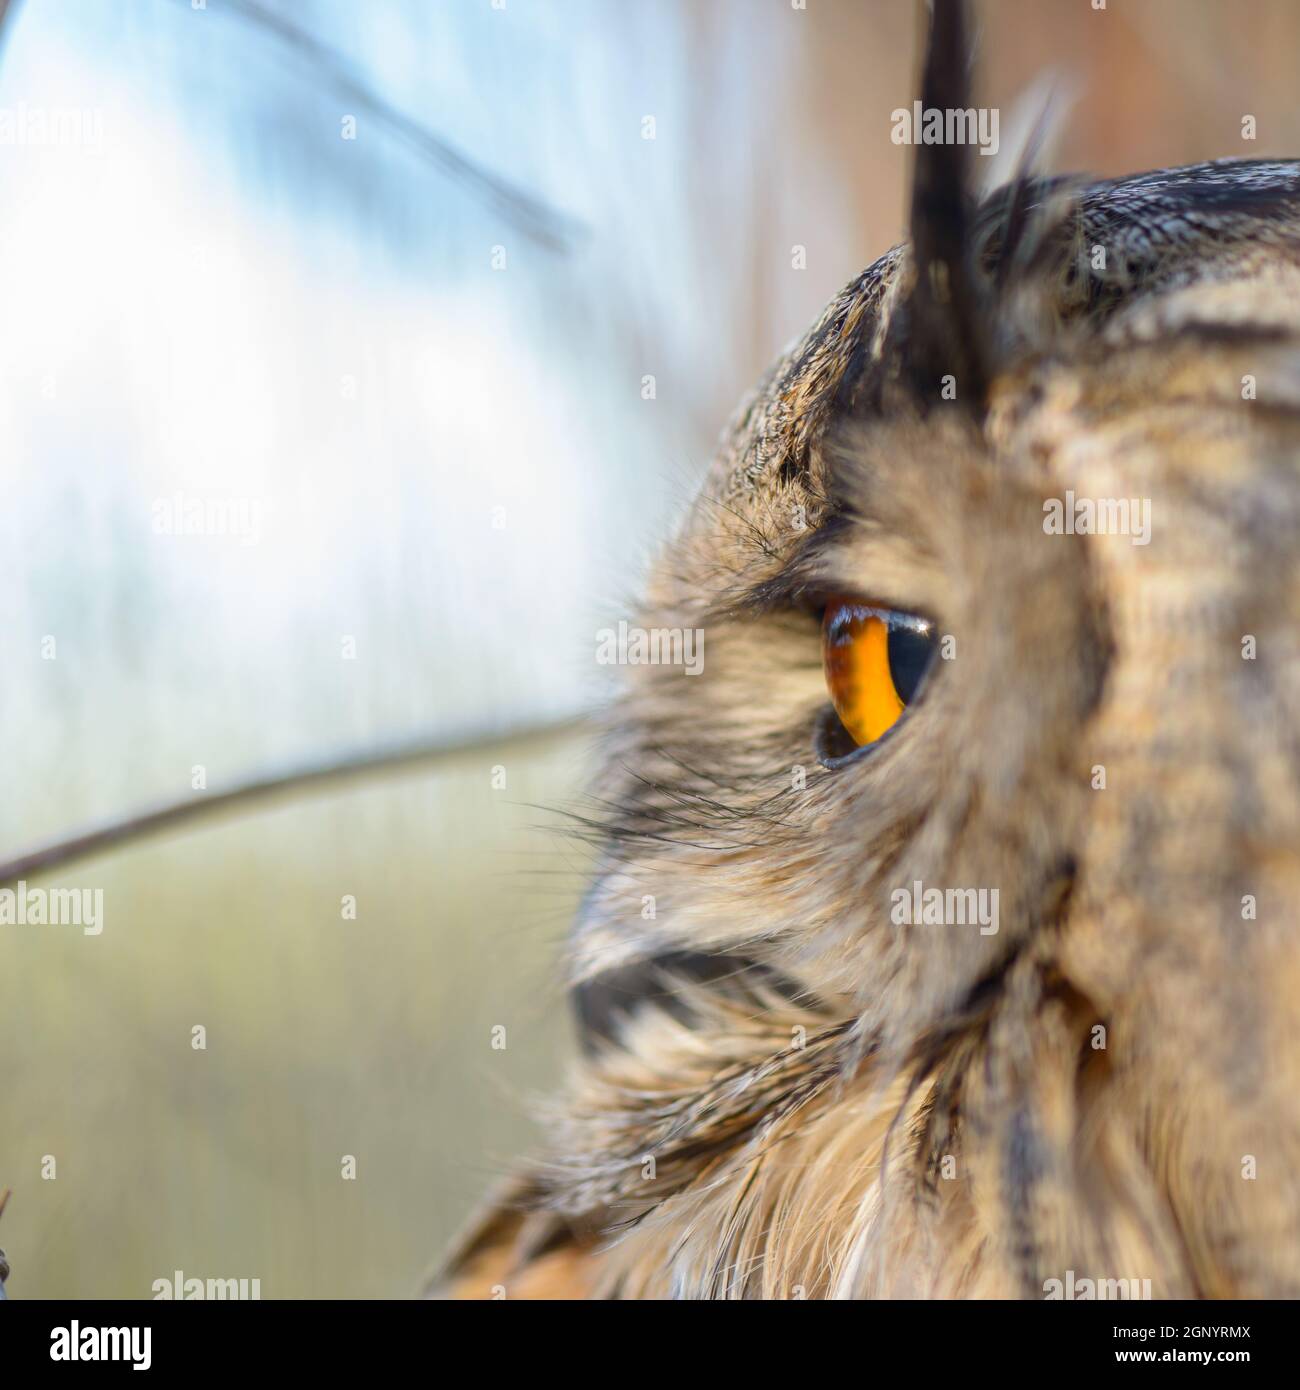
x: 942, y: 938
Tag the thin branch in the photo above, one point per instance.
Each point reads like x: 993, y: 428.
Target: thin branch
x: 534, y: 217
x: 7, y: 8
x: 291, y: 782
x: 4, y: 1196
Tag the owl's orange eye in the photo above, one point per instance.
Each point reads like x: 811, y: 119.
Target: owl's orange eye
x: 875, y: 659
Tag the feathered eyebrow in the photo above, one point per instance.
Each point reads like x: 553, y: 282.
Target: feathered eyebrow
x: 799, y: 585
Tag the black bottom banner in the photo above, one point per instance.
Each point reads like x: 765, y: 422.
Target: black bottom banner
x: 979, y: 1339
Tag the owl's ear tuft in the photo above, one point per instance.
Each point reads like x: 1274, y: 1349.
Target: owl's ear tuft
x: 944, y: 341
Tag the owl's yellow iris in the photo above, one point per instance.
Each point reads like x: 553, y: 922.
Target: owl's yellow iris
x: 855, y: 655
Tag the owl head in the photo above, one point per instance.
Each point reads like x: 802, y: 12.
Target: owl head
x: 943, y: 933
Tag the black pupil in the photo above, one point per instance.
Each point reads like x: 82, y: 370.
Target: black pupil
x: 909, y: 657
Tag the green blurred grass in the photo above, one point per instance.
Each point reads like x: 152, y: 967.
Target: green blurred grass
x: 324, y: 1037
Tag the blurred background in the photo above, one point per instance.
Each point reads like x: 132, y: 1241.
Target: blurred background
x: 441, y: 304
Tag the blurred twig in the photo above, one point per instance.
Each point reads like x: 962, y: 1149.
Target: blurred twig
x: 533, y: 217
x: 4, y: 1196
x: 7, y: 8
x: 116, y: 833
